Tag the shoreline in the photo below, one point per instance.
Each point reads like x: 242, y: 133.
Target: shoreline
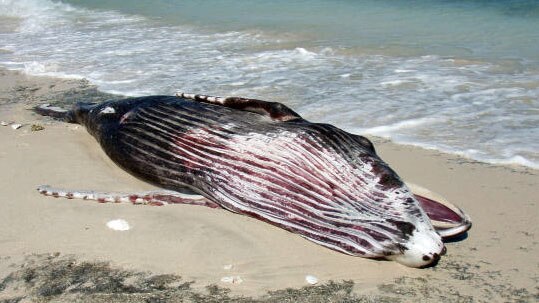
x: 498, y: 258
x: 95, y: 95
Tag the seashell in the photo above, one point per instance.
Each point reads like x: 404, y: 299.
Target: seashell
x: 311, y: 279
x: 118, y: 224
x: 16, y: 126
x: 232, y: 280
x: 4, y: 123
x: 228, y: 267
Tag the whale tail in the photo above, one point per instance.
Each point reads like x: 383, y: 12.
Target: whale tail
x: 73, y: 115
x: 54, y: 112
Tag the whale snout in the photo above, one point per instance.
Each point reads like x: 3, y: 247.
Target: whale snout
x: 422, y: 249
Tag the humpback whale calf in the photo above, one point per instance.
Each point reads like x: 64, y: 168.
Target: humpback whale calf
x: 263, y: 160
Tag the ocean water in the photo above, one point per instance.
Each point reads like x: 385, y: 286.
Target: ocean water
x: 456, y: 76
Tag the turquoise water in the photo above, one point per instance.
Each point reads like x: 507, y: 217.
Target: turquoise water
x: 457, y: 76
x: 486, y: 28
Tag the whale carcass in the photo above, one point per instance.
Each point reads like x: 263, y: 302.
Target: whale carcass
x: 263, y: 160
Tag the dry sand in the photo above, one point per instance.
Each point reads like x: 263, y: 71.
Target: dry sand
x: 498, y: 261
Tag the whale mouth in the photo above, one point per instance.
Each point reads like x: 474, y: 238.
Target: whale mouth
x: 448, y: 220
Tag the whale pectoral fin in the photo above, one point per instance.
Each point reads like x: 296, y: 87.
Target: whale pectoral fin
x: 274, y: 110
x: 447, y: 219
x: 153, y: 198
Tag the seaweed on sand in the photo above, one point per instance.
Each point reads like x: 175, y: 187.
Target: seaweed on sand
x: 51, y: 278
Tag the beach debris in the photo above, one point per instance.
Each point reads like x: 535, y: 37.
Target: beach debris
x: 4, y: 123
x: 118, y: 224
x: 232, y: 280
x: 16, y: 125
x: 311, y: 279
x: 37, y: 127
x: 228, y: 266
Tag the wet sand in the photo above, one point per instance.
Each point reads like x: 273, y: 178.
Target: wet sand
x: 498, y: 261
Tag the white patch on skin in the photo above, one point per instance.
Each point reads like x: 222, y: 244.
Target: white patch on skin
x: 292, y: 216
x: 125, y: 116
x: 108, y: 110
x: 118, y: 224
x: 202, y: 97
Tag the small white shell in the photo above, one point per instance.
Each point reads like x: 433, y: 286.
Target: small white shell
x: 16, y: 126
x: 311, y: 279
x: 232, y: 280
x: 4, y: 123
x: 228, y: 266
x: 118, y: 224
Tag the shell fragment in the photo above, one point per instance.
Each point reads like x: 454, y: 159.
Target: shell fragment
x: 311, y: 279
x: 118, y: 224
x: 232, y: 280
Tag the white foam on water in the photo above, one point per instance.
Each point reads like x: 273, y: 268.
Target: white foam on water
x: 448, y: 104
x: 305, y: 54
x: 515, y: 160
x: 387, y: 130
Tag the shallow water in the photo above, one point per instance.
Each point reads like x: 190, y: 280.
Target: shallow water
x: 457, y: 76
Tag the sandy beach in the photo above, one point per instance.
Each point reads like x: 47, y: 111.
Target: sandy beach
x: 498, y: 261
